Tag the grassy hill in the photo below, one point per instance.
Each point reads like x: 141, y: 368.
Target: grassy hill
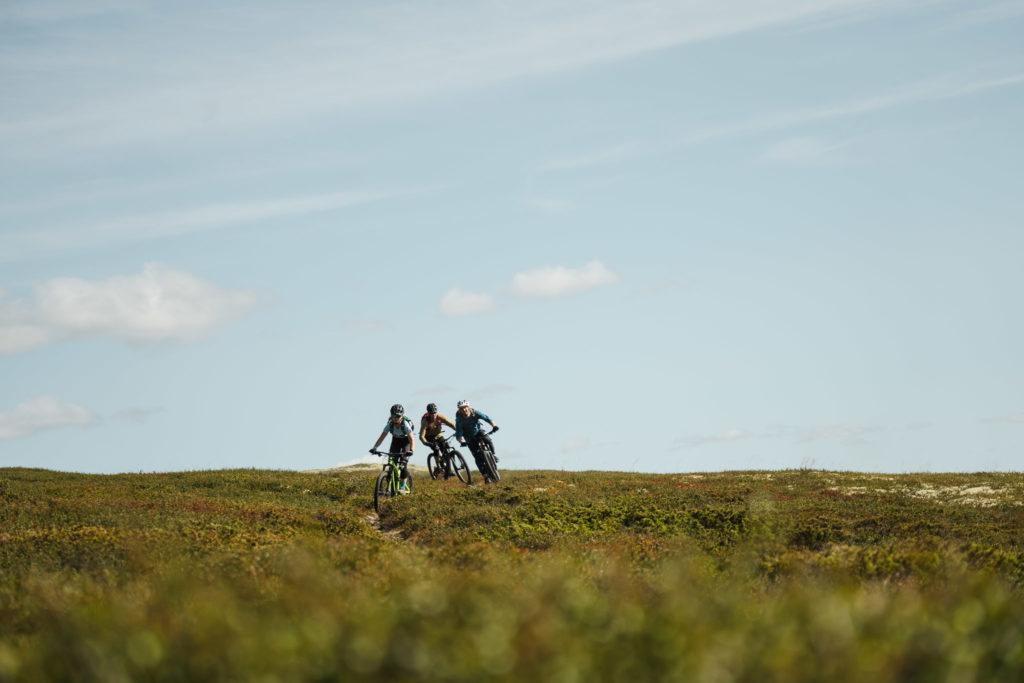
x: 248, y: 575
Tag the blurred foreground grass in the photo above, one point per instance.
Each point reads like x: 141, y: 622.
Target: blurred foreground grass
x: 249, y: 575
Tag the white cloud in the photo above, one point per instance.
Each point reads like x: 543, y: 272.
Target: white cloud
x: 726, y: 436
x: 558, y: 280
x: 456, y: 302
x: 159, y: 304
x: 40, y: 413
x: 18, y: 337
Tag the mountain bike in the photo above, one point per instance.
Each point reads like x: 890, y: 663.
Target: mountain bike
x: 389, y: 479
x: 486, y: 462
x: 450, y: 463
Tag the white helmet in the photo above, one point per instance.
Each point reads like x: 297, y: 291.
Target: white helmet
x: 462, y: 404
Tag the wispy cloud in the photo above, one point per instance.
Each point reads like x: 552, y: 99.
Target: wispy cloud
x: 457, y: 302
x: 550, y: 204
x: 19, y: 244
x: 54, y: 11
x: 136, y: 415
x: 575, y: 445
x: 159, y: 304
x: 802, y: 151
x: 607, y: 155
x: 976, y: 16
x: 490, y: 391
x: 849, y: 435
x: 845, y: 434
x: 944, y: 87
x: 1012, y: 418
x: 435, y: 390
x: 550, y: 281
x: 42, y: 413
x: 272, y: 65
x: 369, y: 326
x: 692, y: 441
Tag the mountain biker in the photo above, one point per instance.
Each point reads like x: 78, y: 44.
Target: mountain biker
x: 401, y: 429
x: 430, y: 428
x: 467, y: 427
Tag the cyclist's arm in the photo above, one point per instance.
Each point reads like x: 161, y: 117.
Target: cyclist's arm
x: 446, y: 421
x: 485, y: 418
x: 380, y: 439
x: 423, y: 430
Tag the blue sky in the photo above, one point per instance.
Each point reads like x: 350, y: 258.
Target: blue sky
x: 654, y: 236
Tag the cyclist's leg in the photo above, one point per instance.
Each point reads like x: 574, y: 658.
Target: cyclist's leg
x: 401, y: 445
x: 490, y: 445
x: 437, y: 454
x: 441, y: 454
x: 474, y: 448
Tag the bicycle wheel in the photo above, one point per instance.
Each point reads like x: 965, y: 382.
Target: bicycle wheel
x: 434, y: 467
x: 493, y: 466
x: 491, y: 473
x: 381, y: 490
x: 460, y: 467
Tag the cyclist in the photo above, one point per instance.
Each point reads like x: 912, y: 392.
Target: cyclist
x: 430, y: 429
x: 467, y: 427
x: 401, y: 429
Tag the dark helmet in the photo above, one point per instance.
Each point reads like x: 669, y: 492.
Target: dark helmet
x: 432, y: 408
x: 397, y: 410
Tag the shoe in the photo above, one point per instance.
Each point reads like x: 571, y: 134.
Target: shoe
x: 403, y: 490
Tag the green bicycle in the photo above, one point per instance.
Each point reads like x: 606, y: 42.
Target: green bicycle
x: 389, y: 479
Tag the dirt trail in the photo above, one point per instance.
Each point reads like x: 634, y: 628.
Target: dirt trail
x: 374, y: 521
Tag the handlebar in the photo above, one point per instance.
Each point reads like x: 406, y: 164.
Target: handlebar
x: 481, y: 433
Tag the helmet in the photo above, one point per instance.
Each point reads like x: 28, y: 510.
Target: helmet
x: 463, y: 404
x: 397, y: 410
x: 431, y: 408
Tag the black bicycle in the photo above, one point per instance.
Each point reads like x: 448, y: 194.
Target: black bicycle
x: 486, y: 462
x: 389, y: 480
x: 449, y: 463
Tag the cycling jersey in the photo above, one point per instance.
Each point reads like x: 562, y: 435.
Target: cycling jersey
x: 403, y: 428
x: 430, y: 426
x: 468, y: 427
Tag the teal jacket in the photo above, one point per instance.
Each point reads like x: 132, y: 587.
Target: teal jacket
x: 468, y: 427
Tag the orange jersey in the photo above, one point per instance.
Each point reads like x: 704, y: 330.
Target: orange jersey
x: 430, y: 426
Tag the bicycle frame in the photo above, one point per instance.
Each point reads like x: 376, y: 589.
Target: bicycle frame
x: 394, y: 472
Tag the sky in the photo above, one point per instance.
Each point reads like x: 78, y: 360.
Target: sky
x: 655, y: 236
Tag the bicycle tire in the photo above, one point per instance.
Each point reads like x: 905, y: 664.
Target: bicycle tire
x: 380, y: 490
x: 491, y: 475
x: 495, y: 476
x: 461, y: 468
x: 433, y: 466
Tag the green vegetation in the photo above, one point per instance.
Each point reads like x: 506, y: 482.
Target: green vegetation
x: 248, y: 575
